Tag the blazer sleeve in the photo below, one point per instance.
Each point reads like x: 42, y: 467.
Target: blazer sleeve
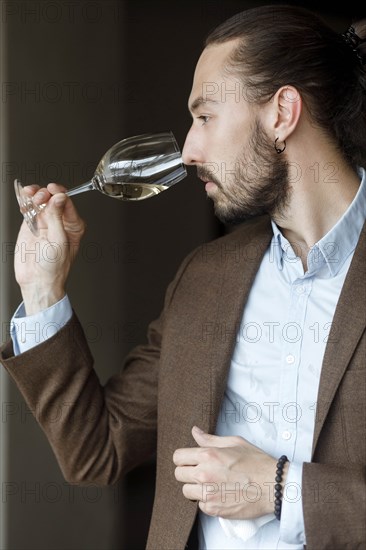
x: 96, y: 432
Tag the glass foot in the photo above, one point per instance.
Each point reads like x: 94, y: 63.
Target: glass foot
x: 27, y: 207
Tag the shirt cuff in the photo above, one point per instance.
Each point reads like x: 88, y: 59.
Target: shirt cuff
x: 29, y: 331
x: 292, y: 528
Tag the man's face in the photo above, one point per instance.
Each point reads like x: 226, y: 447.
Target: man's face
x: 227, y: 142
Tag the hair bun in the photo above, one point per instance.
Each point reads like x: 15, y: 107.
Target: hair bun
x: 353, y: 40
x: 355, y: 37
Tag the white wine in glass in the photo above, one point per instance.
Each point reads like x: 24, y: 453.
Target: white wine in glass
x: 134, y: 169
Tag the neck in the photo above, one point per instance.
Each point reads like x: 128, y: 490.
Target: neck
x: 319, y: 198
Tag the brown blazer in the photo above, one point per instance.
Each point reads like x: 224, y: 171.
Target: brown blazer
x: 178, y: 380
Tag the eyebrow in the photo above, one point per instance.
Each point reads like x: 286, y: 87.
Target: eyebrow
x: 199, y: 101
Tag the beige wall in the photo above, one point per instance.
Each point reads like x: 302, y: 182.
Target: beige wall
x: 61, y: 70
x: 4, y: 276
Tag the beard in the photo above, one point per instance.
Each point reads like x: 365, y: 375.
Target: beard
x: 258, y: 185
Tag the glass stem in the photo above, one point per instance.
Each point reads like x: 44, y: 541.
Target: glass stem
x: 88, y: 186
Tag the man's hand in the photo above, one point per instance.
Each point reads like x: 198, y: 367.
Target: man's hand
x: 228, y: 476
x: 42, y: 263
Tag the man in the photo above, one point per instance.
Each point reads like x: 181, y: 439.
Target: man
x: 252, y: 385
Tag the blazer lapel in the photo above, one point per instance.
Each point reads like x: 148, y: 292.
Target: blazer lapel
x: 348, y: 325
x: 242, y: 262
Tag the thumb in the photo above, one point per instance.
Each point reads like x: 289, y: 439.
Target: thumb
x: 204, y: 439
x: 54, y: 213
x: 58, y: 201
x: 207, y: 440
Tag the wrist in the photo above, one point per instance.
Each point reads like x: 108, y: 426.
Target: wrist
x: 37, y: 298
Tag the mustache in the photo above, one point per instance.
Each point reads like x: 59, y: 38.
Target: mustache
x: 205, y: 174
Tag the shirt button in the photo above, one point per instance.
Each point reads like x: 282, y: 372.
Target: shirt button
x: 286, y: 435
x: 290, y: 359
x: 300, y: 289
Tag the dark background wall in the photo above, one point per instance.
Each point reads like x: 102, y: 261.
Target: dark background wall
x: 164, y: 41
x: 77, y: 77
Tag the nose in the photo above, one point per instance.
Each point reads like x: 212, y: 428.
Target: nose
x: 191, y: 153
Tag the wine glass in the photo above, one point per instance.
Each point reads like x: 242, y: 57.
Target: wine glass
x: 134, y: 169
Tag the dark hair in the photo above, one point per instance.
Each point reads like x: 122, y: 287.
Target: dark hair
x: 288, y: 45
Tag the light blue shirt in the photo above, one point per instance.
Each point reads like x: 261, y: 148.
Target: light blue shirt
x: 272, y: 387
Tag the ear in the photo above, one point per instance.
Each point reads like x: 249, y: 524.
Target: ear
x: 284, y: 112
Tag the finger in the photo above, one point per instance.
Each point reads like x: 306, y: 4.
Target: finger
x: 72, y: 222
x: 41, y: 196
x: 186, y: 457
x: 186, y: 474
x: 204, y: 439
x: 193, y: 491
x: 54, y: 188
x: 30, y: 190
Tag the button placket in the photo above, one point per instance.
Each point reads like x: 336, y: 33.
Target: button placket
x: 287, y: 428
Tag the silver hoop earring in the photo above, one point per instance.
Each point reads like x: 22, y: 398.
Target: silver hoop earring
x: 278, y: 150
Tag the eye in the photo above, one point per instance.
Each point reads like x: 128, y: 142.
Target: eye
x: 204, y: 119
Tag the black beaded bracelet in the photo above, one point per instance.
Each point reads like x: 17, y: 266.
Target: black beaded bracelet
x: 278, y: 487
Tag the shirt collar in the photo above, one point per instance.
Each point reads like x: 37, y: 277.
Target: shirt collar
x: 334, y: 248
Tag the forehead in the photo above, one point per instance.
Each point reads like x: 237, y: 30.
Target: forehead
x: 209, y: 73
